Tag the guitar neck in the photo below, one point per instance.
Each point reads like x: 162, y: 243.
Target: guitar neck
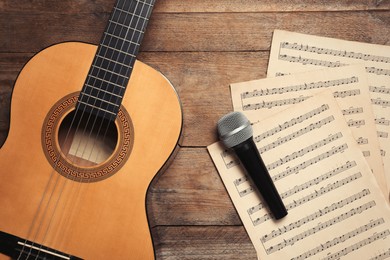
x: 112, y: 66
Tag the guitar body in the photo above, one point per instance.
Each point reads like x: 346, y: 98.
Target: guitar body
x: 95, y: 216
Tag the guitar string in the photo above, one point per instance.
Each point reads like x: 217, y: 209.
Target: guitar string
x: 96, y: 116
x: 40, y: 204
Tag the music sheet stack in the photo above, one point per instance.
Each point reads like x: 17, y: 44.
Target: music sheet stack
x: 321, y: 121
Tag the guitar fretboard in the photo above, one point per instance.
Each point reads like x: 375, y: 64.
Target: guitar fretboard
x: 111, y: 69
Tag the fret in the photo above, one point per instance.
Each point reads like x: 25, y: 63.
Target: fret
x: 103, y: 44
x: 92, y: 93
x: 90, y: 106
x: 124, y: 32
x: 111, y: 66
x: 101, y: 94
x: 114, y: 61
x: 143, y: 9
x: 87, y: 99
x: 120, y: 43
x: 115, y: 37
x: 92, y: 101
x: 138, y: 7
x: 104, y: 85
x: 116, y: 55
x: 106, y: 81
x: 129, y: 13
x: 109, y: 71
x: 108, y: 77
x: 146, y: 3
x: 128, y: 21
x: 97, y: 92
x: 118, y: 50
x: 111, y: 40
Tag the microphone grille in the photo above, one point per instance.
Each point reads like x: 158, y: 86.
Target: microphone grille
x: 234, y: 128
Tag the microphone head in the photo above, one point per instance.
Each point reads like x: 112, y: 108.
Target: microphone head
x: 234, y: 128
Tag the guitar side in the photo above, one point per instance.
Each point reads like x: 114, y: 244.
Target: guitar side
x: 105, y: 219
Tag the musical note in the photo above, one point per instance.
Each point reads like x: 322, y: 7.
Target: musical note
x: 381, y: 90
x: 334, y: 52
x: 312, y: 217
x: 382, y: 121
x: 305, y: 164
x: 356, y: 123
x: 378, y: 71
x: 300, y: 87
x: 345, y: 237
x: 304, y: 151
x: 291, y: 123
x: 240, y: 181
x: 352, y: 110
x: 229, y: 159
x: 254, y: 209
x: 321, y: 226
x: 317, y: 193
x: 380, y: 102
x: 362, y: 243
x: 317, y: 180
x: 323, y: 190
x: 293, y: 135
x: 346, y: 93
x: 382, y: 134
x: 262, y: 219
x: 362, y: 140
x: 383, y: 255
x: 305, y: 61
x: 246, y: 191
x: 275, y: 103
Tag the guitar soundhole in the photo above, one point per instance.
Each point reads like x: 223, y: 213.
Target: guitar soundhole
x: 86, y: 140
x: 85, y: 148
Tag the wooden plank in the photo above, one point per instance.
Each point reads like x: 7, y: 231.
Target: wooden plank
x: 208, y: 242
x: 206, y: 6
x: 202, y: 80
x: 193, y: 31
x: 190, y: 192
x: 10, y: 65
x: 188, y: 6
x: 253, y: 31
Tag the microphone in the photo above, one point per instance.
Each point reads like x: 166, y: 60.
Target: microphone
x: 235, y: 131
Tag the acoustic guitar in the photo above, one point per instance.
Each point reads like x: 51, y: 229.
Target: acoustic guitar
x: 90, y: 128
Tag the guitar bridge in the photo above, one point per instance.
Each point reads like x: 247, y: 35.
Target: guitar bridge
x: 19, y: 248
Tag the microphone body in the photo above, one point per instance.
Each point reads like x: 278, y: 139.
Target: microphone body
x: 250, y: 158
x: 235, y: 131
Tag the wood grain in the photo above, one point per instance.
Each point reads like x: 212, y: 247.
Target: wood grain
x: 201, y: 46
x: 198, y: 6
x: 203, y: 242
x: 170, y: 32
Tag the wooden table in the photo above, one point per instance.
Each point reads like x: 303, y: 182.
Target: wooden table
x: 201, y: 46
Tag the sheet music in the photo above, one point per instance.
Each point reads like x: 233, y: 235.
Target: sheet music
x: 335, y: 208
x: 295, y: 52
x: 259, y: 99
